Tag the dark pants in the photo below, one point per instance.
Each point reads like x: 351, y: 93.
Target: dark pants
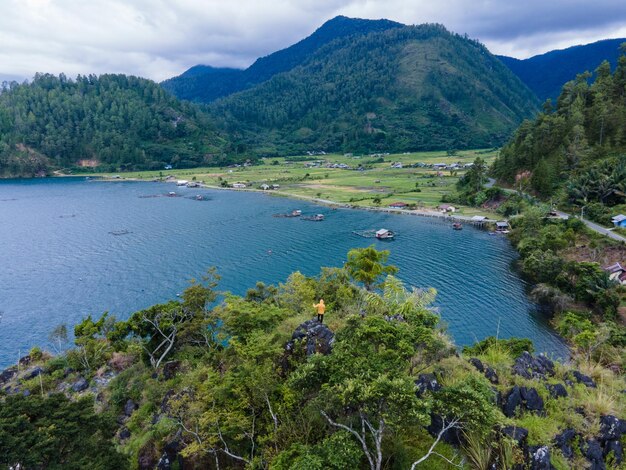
x: 320, y: 317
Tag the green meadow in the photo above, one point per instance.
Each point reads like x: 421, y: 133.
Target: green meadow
x: 378, y: 184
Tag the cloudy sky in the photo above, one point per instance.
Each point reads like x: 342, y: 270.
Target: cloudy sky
x: 161, y: 38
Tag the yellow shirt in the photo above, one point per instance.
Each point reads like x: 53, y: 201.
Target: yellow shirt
x: 321, y: 308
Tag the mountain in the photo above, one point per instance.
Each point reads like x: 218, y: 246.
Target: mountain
x: 110, y: 122
x: 204, y: 84
x: 405, y: 88
x: 578, y: 145
x: 545, y: 74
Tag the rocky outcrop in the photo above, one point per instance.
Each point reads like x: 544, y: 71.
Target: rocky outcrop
x: 529, y: 366
x: 80, y: 385
x: 583, y: 379
x: 518, y: 434
x: 32, y: 373
x: 540, y: 458
x: 129, y: 407
x: 170, y: 369
x: 611, y: 428
x: 522, y: 398
x: 592, y: 451
x: 452, y: 436
x: 489, y: 372
x: 557, y: 390
x: 315, y: 337
x: 563, y: 442
x: 426, y: 382
x: 7, y: 374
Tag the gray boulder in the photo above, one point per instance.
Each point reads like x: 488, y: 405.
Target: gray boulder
x: 7, y: 374
x: 511, y: 402
x: 583, y: 379
x: 540, y: 458
x: 557, y: 390
x: 518, y: 434
x: 593, y: 453
x: 32, y: 373
x: 563, y: 442
x: 80, y: 385
x: 610, y: 428
x: 477, y: 363
x: 130, y: 407
x: 532, y: 400
x: 491, y: 375
x: 614, y: 449
x: 426, y: 382
x: 314, y: 336
x: 529, y: 366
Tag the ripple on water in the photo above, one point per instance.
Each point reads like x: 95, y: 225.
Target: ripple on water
x: 58, y: 269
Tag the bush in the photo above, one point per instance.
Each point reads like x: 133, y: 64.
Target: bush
x: 514, y: 346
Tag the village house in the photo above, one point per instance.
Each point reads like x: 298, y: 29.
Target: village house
x: 447, y: 208
x: 398, y: 205
x: 265, y: 187
x: 616, y: 273
x: 619, y: 220
x: 502, y: 226
x: 239, y: 185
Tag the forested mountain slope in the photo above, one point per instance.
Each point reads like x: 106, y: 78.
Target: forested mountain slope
x: 204, y: 84
x: 578, y: 145
x: 111, y: 121
x: 410, y: 88
x: 545, y: 74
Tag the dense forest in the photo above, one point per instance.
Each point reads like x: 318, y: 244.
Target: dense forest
x: 546, y: 73
x: 257, y: 382
x: 205, y: 84
x: 574, y: 148
x: 411, y: 88
x: 111, y: 122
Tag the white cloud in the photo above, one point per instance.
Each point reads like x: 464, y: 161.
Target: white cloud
x: 159, y: 38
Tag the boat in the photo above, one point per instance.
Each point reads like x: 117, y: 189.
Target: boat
x: 457, y: 226
x: 182, y: 183
x: 314, y: 218
x: 384, y: 234
x: 199, y: 197
x: 171, y: 194
x: 193, y: 184
x: 294, y: 213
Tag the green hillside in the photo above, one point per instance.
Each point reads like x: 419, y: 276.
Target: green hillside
x: 410, y: 88
x: 110, y: 122
x: 577, y: 146
x: 204, y: 84
x: 546, y: 73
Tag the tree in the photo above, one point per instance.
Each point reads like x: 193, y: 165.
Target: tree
x: 58, y: 338
x: 56, y: 433
x: 366, y: 265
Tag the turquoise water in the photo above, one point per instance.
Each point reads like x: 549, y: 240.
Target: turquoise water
x: 59, y: 261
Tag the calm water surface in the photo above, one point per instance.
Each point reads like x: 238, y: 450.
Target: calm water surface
x: 59, y: 262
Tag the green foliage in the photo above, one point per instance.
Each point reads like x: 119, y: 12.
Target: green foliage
x: 471, y: 402
x: 562, y: 146
x: 366, y: 265
x: 116, y: 122
x: 513, y: 346
x: 403, y: 89
x: 56, y: 433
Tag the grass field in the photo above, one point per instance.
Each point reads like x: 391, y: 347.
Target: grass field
x: 423, y: 187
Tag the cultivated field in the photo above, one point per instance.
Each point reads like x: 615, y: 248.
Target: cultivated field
x: 314, y: 178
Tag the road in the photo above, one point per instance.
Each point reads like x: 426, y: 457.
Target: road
x: 564, y: 215
x: 595, y: 227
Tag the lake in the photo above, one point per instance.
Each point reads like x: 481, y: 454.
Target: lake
x: 71, y: 247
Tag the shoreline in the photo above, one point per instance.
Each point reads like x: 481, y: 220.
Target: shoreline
x: 322, y: 202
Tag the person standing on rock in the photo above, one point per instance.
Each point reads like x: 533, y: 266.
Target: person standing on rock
x: 321, y: 308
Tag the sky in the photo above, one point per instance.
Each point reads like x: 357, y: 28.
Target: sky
x: 159, y: 39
